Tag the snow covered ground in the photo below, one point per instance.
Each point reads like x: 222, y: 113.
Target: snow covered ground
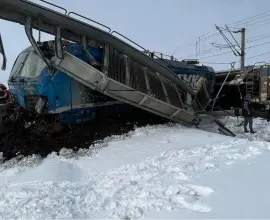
x: 155, y: 172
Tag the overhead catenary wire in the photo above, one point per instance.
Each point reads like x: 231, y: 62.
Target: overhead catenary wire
x: 252, y: 21
x: 263, y: 22
x: 257, y: 55
x: 258, y: 37
x: 237, y: 61
x: 220, y: 47
x: 209, y: 35
x: 216, y: 55
x: 227, y: 52
x: 252, y: 18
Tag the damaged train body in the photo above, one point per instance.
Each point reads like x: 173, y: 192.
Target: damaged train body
x: 36, y: 90
x: 87, y: 72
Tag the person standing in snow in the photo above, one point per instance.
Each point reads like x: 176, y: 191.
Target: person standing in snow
x: 247, y: 113
x: 268, y: 111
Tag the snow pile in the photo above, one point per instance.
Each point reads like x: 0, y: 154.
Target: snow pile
x: 261, y: 126
x: 151, y: 169
x: 20, y: 164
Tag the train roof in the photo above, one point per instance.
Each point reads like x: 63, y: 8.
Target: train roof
x: 170, y: 63
x: 184, y: 65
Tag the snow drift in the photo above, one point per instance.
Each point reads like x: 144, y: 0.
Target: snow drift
x: 152, y: 169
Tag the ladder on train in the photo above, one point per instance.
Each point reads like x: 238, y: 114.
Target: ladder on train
x: 250, y: 83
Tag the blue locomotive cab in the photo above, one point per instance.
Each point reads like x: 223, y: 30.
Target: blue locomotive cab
x: 24, y: 77
x: 38, y: 90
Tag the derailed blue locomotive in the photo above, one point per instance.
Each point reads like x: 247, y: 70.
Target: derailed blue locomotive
x: 36, y: 89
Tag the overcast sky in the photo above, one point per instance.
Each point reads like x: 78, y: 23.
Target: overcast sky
x: 164, y: 25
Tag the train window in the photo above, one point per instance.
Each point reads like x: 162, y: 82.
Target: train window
x: 33, y: 66
x: 18, y: 64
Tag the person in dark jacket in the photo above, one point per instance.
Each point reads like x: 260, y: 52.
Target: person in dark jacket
x: 268, y: 112
x: 247, y: 113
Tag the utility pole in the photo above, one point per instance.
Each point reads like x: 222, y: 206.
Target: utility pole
x: 236, y: 48
x: 243, y: 45
x: 196, y: 49
x: 199, y: 45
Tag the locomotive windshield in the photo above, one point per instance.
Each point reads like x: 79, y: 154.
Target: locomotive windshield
x: 18, y: 65
x: 27, y: 65
x: 33, y: 66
